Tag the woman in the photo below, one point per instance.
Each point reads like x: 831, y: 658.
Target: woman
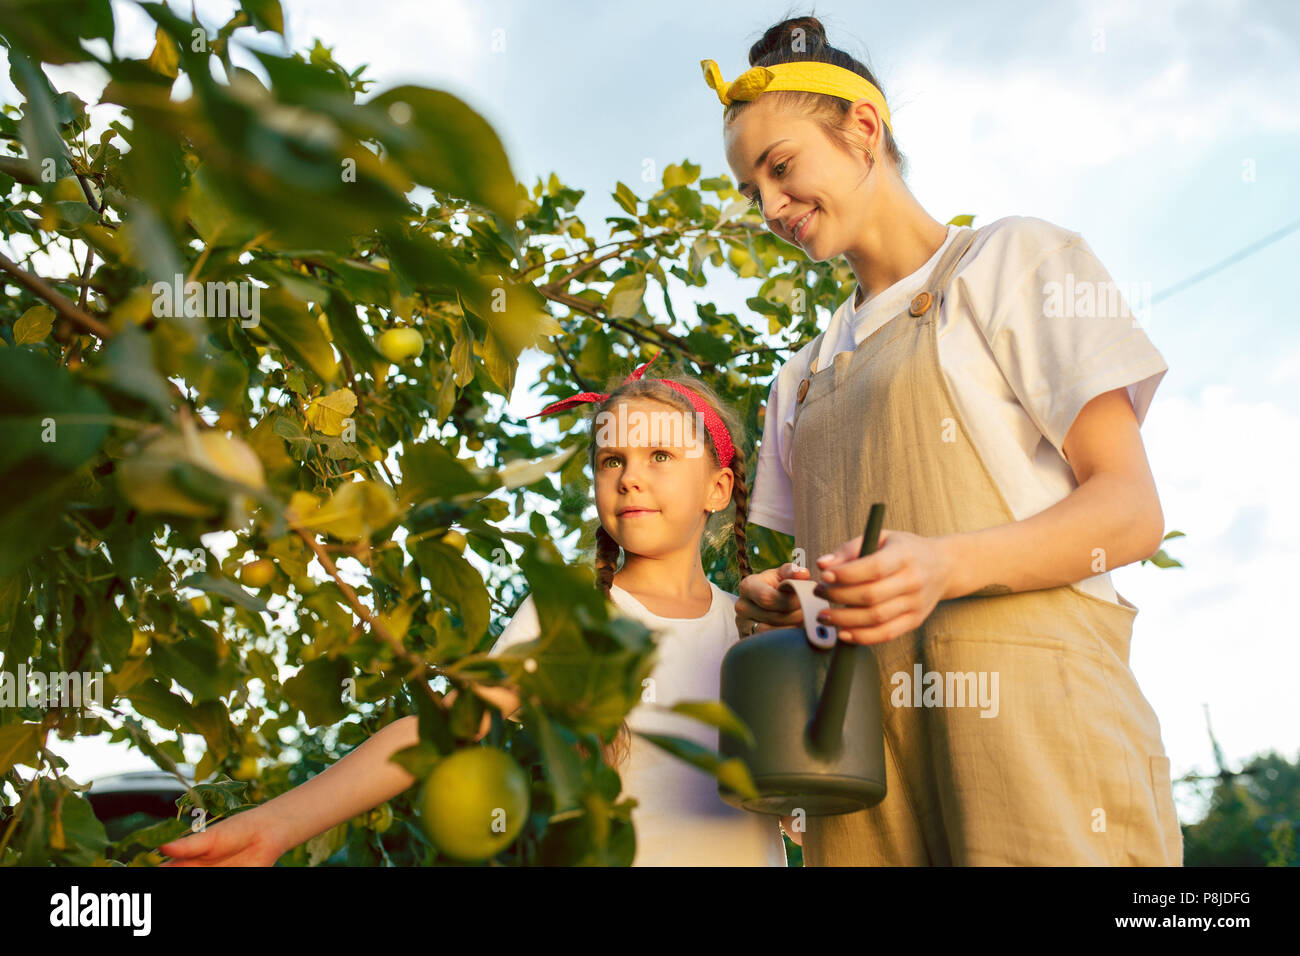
x: 1001, y: 432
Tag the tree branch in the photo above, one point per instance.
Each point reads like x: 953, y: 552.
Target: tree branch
x: 564, y: 357
x: 63, y: 306
x: 596, y: 312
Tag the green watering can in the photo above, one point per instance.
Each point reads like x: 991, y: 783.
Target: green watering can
x: 812, y: 702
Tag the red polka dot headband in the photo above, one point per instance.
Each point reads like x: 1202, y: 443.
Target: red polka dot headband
x: 717, y: 430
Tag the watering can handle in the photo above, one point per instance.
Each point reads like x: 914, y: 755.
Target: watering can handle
x: 822, y: 636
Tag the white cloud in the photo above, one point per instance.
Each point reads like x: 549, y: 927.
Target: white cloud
x: 1172, y: 83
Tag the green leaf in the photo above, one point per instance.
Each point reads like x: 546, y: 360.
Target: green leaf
x: 33, y: 325
x: 354, y: 511
x: 195, y: 664
x: 348, y: 331
x: 1162, y: 560
x: 324, y: 845
x: 40, y: 129
x: 625, y: 198
x: 517, y: 474
x: 442, y: 143
x: 50, y: 425
x: 624, y: 300
x: 286, y: 320
x: 213, y: 218
x: 965, y: 220
x: 19, y: 744
x: 287, y: 427
x: 224, y: 587
x: 682, y: 175
x: 264, y: 14
x: 130, y: 369
x: 709, y: 347
x: 430, y: 471
x: 462, y: 355
x: 563, y: 767
x: 418, y: 760
x: 317, y: 690
x: 152, y: 699
x: 733, y: 772
x: 166, y: 57
x: 150, y: 837
x: 716, y: 714
x: 84, y: 833
x: 456, y: 579
x: 52, y: 31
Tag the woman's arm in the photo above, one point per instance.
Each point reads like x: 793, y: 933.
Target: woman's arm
x: 1111, y: 519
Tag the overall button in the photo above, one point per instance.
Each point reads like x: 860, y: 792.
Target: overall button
x: 803, y: 389
x: 920, y: 303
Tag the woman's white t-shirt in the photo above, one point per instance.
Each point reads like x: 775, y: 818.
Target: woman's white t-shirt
x: 680, y: 820
x: 1019, y: 372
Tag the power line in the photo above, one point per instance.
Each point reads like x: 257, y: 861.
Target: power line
x: 1219, y: 266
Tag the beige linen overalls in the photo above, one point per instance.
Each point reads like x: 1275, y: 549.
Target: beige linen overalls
x: 1071, y: 770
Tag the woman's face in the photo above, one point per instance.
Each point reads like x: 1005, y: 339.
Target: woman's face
x: 790, y: 165
x: 647, y: 457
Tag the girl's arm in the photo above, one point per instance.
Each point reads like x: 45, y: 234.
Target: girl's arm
x: 363, y: 779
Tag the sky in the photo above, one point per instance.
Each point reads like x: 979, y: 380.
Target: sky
x: 1164, y: 132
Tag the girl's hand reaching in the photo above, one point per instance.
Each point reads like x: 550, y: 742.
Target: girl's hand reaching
x: 888, y: 593
x: 245, y: 839
x: 761, y: 606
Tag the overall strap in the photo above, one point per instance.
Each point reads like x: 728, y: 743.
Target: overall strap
x: 815, y: 350
x: 942, y: 273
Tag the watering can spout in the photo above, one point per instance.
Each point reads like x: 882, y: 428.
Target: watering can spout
x: 826, y: 729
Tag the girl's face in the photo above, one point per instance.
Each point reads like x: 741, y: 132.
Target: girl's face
x: 790, y: 166
x: 654, y: 481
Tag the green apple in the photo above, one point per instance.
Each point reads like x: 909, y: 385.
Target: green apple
x: 257, y: 574
x: 400, y: 345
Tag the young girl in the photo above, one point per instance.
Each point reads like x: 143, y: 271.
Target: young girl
x: 656, y: 489
x: 979, y: 384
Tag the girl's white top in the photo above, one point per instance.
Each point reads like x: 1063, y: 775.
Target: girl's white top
x: 1027, y: 335
x: 680, y: 820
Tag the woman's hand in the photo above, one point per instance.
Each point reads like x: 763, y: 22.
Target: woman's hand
x: 760, y: 606
x: 888, y: 593
x: 246, y: 839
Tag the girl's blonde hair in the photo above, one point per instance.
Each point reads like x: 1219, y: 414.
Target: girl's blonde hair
x: 608, y: 550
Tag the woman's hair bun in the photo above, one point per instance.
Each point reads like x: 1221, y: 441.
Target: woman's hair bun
x: 777, y: 44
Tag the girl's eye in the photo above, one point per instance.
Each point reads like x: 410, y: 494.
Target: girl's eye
x: 615, y: 458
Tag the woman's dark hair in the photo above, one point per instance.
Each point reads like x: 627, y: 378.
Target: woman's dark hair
x: 733, y: 518
x: 804, y: 38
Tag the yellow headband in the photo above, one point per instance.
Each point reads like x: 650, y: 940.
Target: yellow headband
x: 809, y: 76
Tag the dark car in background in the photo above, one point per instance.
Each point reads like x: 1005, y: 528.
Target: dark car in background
x: 125, y: 802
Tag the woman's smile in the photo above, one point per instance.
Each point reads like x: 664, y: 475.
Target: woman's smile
x: 802, y: 226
